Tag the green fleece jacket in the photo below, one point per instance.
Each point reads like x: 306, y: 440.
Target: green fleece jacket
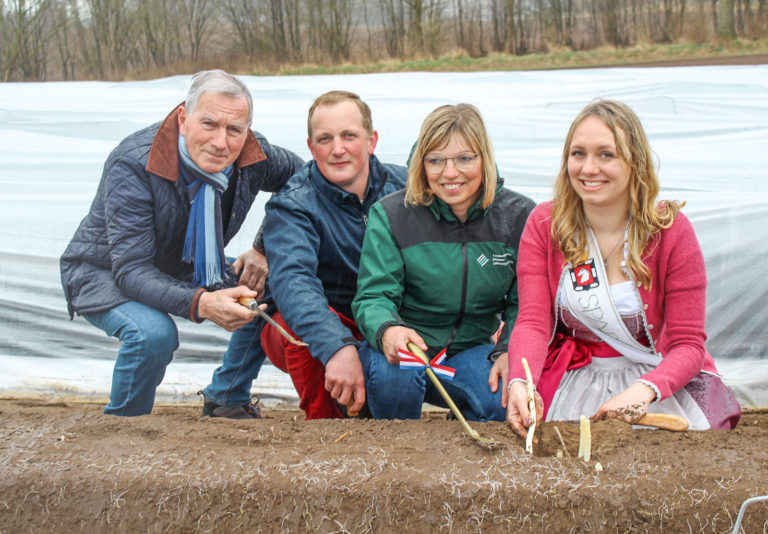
x: 450, y: 281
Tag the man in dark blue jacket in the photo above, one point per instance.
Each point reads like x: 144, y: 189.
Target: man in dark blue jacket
x: 313, y: 235
x: 152, y: 245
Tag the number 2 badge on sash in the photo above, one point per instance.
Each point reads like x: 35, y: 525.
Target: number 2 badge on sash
x: 584, y: 276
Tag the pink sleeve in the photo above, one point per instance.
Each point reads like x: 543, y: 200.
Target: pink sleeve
x: 533, y: 327
x: 680, y: 275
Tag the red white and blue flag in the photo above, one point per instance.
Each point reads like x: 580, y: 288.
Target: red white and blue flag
x: 411, y: 361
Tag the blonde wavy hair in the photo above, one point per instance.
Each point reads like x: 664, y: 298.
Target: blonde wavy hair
x: 436, y: 131
x: 646, y: 216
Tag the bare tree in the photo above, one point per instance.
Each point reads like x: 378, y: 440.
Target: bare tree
x: 511, y: 46
x: 108, y: 50
x: 158, y: 25
x: 339, y: 29
x: 415, y: 29
x: 26, y: 29
x: 293, y: 24
x: 314, y: 30
x: 248, y: 21
x: 110, y: 38
x: 199, y: 17
x: 523, y: 27
x: 498, y: 25
x: 671, y: 23
x: 276, y: 11
x: 481, y: 51
x: 557, y: 16
x: 471, y: 27
x: 425, y: 26
x: 725, y: 27
x: 65, y: 44
x: 614, y: 22
x: 459, y: 9
x: 393, y: 22
x: 371, y: 54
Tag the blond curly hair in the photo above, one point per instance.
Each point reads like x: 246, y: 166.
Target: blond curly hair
x: 646, y: 216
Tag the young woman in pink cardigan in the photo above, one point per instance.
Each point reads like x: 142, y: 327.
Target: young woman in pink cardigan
x: 612, y: 291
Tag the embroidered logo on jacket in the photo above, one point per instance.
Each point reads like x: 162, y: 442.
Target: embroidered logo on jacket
x: 482, y: 259
x: 503, y: 259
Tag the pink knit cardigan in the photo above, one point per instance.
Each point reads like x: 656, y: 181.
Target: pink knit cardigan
x: 674, y: 307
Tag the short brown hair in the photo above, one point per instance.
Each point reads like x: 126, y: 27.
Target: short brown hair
x: 334, y: 97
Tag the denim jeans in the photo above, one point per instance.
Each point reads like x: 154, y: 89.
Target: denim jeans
x: 231, y: 382
x: 148, y: 338
x: 394, y: 393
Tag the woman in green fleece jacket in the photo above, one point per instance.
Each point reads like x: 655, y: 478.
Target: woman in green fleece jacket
x: 438, y: 269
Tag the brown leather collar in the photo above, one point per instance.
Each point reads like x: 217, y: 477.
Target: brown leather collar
x: 164, y: 154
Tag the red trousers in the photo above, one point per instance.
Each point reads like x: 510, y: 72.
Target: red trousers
x: 307, y: 373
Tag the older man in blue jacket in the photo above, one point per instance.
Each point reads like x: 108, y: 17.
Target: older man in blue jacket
x: 152, y: 245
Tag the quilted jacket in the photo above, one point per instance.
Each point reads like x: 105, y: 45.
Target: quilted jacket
x: 129, y: 245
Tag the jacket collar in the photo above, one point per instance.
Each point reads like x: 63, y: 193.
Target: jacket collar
x: 377, y: 175
x: 163, y: 158
x: 441, y: 210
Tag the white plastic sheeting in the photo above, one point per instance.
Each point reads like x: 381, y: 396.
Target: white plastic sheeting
x: 708, y: 126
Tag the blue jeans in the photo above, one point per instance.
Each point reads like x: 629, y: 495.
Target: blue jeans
x: 149, y: 337
x: 394, y: 393
x: 231, y: 382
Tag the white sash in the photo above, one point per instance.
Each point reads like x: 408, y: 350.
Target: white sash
x: 588, y: 296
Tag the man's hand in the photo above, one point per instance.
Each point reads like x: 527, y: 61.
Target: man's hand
x: 629, y: 405
x: 253, y: 265
x: 518, y: 415
x: 344, y: 377
x: 395, y: 338
x: 499, y: 373
x: 222, y: 307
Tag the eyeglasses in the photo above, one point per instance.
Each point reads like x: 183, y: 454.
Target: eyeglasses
x: 463, y: 162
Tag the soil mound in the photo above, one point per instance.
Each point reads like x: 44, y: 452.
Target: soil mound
x: 67, y: 468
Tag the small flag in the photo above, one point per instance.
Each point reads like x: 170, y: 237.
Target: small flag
x: 411, y: 361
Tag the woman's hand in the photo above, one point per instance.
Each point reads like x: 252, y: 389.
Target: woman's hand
x: 518, y: 415
x: 499, y: 373
x: 398, y: 337
x: 629, y: 405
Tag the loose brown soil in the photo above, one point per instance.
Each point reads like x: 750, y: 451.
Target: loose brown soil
x: 68, y: 468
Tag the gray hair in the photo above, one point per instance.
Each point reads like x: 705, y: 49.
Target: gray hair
x: 218, y: 82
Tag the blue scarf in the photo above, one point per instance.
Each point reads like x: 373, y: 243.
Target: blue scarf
x: 204, y: 241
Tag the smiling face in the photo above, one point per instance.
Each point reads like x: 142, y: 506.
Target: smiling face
x: 215, y: 131
x: 596, y: 171
x: 341, y: 146
x: 458, y: 189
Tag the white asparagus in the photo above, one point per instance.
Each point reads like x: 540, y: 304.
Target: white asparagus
x: 562, y: 441
x: 585, y: 438
x: 531, y: 406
